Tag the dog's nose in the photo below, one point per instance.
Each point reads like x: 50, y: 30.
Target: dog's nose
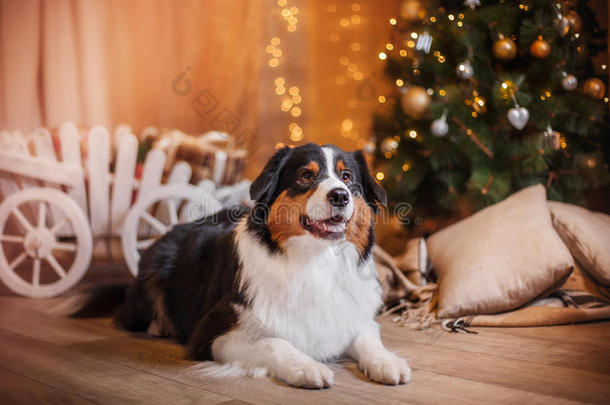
x: 338, y: 197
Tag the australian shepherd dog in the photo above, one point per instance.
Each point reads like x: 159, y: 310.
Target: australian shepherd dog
x: 283, y: 286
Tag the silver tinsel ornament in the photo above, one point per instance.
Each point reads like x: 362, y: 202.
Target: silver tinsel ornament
x: 464, y: 70
x: 439, y: 126
x: 569, y: 82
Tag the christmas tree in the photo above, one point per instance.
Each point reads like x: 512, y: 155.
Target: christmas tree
x: 491, y: 97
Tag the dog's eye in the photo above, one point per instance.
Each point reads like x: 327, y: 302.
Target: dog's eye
x: 305, y: 176
x: 346, y: 176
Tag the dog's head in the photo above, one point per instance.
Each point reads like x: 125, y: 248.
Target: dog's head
x: 317, y: 191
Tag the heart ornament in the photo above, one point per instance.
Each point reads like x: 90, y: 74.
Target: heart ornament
x: 518, y: 117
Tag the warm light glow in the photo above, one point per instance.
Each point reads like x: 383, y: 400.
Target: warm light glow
x: 414, y: 35
x: 380, y: 176
x: 352, y: 67
x: 279, y: 145
x: 281, y: 3
x: 442, y: 92
x: 344, y: 60
x: 277, y: 52
x: 389, y: 46
x: 451, y: 17
x: 358, y: 75
x: 410, y: 43
x: 291, y: 28
x: 403, y: 53
x: 273, y: 62
x: 293, y: 90
x: 286, y: 105
x: 399, y: 82
x: 347, y: 125
x: 279, y: 90
x: 382, y: 56
x: 459, y: 24
x: 344, y: 22
x: 279, y: 81
x: 355, y: 46
x: 355, y: 7
x: 432, y: 19
x: 393, y: 21
x: 381, y: 99
x: 275, y: 41
x: 413, y: 134
x: 461, y: 16
x: 296, y: 99
x: 406, y: 166
x: 355, y: 19
x: 295, y: 111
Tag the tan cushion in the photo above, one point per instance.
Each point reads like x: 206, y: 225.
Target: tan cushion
x: 587, y: 235
x: 499, y: 258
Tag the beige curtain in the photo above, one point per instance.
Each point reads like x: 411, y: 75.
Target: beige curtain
x: 196, y: 66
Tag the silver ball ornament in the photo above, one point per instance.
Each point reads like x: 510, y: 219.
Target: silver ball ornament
x: 569, y: 82
x: 439, y: 126
x: 464, y: 70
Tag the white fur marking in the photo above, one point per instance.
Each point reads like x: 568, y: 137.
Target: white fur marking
x: 318, y: 207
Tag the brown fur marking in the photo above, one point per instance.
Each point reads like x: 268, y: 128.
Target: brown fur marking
x: 359, y: 226
x: 340, y: 166
x: 285, y: 216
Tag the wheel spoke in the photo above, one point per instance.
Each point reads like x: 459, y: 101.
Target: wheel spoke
x: 17, y: 261
x: 56, y: 266
x: 42, y: 214
x: 21, y: 218
x: 173, y: 211
x: 11, y: 238
x: 36, y: 272
x: 145, y: 244
x: 154, y: 222
x: 71, y: 247
x: 59, y: 225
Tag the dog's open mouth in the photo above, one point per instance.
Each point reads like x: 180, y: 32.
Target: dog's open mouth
x: 330, y: 228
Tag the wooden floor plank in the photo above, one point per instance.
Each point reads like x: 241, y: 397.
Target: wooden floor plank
x: 52, y: 329
x: 544, y: 379
x: 16, y: 389
x: 96, y: 380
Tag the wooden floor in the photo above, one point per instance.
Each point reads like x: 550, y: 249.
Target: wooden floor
x: 50, y: 359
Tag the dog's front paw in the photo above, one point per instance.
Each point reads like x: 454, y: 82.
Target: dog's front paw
x: 386, y: 368
x: 308, y: 373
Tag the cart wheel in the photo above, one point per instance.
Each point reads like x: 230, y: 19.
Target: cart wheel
x: 45, y: 262
x: 182, y: 203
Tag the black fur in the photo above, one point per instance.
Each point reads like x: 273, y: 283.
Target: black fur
x: 194, y: 267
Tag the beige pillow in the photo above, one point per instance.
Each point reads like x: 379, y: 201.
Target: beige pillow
x: 499, y: 258
x: 587, y: 235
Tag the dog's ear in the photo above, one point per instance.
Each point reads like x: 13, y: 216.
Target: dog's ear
x: 264, y: 186
x: 373, y: 192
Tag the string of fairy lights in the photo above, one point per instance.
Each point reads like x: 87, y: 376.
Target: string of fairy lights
x: 289, y: 95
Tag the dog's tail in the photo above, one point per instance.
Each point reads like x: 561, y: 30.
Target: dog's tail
x: 95, y: 302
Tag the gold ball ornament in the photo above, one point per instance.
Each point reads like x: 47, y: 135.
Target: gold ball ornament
x: 574, y: 20
x: 540, y: 48
x: 594, y: 88
x: 415, y: 101
x: 412, y: 10
x: 505, y: 49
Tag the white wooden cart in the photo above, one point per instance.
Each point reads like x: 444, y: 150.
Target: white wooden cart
x: 56, y: 204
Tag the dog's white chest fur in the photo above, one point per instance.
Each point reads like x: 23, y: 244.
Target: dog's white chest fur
x: 316, y: 295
